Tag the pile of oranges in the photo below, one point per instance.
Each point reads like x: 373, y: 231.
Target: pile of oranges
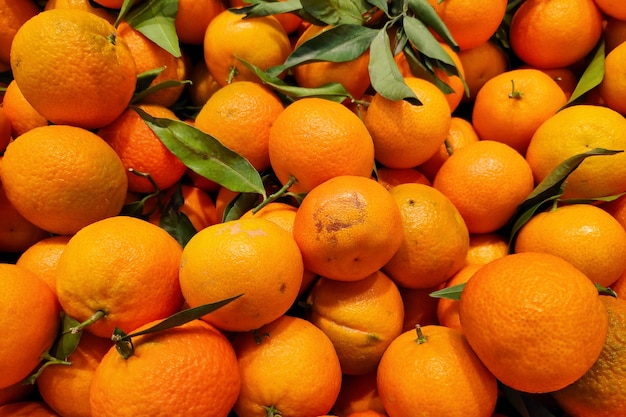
x: 191, y: 226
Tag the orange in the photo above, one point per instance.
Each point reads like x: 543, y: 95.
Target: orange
x: 564, y: 77
x: 141, y: 150
x: 597, y: 392
x: 584, y: 235
x: 619, y: 286
x: 352, y: 75
x: 30, y: 318
x: 21, y: 114
x: 42, y: 258
x: 435, y: 372
x: 486, y: 181
x: 252, y: 248
x: 357, y: 393
x: 289, y: 21
x: 575, y: 130
x: 13, y: 14
x: 31, y: 408
x: 397, y: 127
x: 5, y: 129
x: 239, y: 116
x: 282, y: 373
x: 614, y: 33
x: 132, y: 267
x: 435, y: 238
x: 260, y: 41
x: 461, y: 133
x: 390, y: 177
x: 448, y: 309
x: 612, y: 8
x: 202, y: 86
x: 360, y: 317
x: 555, y: 33
x: 193, y: 17
x: 197, y: 205
x: 617, y: 209
x: 480, y: 64
x: 15, y: 393
x: 419, y: 307
x: 504, y: 296
x: 348, y: 228
x: 150, y: 56
x: 201, y: 182
x: 62, y: 178
x: 485, y: 247
x: 613, y: 85
x: 194, y: 355
x: 16, y: 233
x: 470, y: 23
x: 111, y: 4
x: 512, y: 105
x: 315, y: 139
x: 81, y: 5
x: 65, y: 389
x: 52, y: 52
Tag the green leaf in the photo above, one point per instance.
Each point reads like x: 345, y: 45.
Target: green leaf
x: 605, y: 199
x: 68, y: 340
x: 124, y: 10
x: 605, y: 290
x: 239, y: 205
x: 155, y: 19
x: 427, y: 14
x: 146, y: 78
x: 158, y: 87
x: 335, y: 12
x: 205, y: 155
x: 380, y: 4
x: 424, y: 41
x: 421, y: 70
x: 260, y: 8
x: 175, y: 222
x: 592, y: 76
x: 451, y: 293
x: 386, y: 78
x: 338, y: 44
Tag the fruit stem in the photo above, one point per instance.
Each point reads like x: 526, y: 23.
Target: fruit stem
x: 48, y: 360
x: 276, y: 195
x: 449, y: 149
x: 421, y: 337
x: 231, y: 75
x: 272, y: 411
x: 515, y: 93
x: 94, y: 318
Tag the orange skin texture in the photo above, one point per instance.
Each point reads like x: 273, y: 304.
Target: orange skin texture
x: 27, y: 409
x: 193, y: 17
x: 42, y: 258
x: 448, y: 309
x: 16, y: 233
x: 20, y: 113
x: 613, y: 85
x: 13, y: 14
x: 419, y: 307
x: 390, y: 177
x: 358, y: 393
x: 480, y: 64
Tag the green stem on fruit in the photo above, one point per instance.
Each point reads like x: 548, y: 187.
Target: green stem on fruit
x: 231, y: 75
x: 515, y: 93
x: 292, y: 180
x: 271, y: 411
x: 448, y: 146
x: 111, y: 38
x: 421, y: 337
x: 48, y: 360
x: 94, y: 318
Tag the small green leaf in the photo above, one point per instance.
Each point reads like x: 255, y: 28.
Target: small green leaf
x: 605, y: 199
x: 592, y: 76
x: 335, y: 12
x: 242, y: 203
x: 605, y: 290
x: 124, y: 10
x: 427, y: 14
x: 158, y: 87
x: 423, y: 40
x: 67, y: 341
x: 146, y: 78
x: 424, y: 69
x: 260, y: 8
x: 175, y: 222
x: 205, y: 155
x: 451, y: 293
x: 155, y: 19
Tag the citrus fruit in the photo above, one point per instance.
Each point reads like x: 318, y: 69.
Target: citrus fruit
x: 193, y: 17
x: 419, y: 307
x: 485, y: 247
x: 390, y: 177
x: 612, y: 8
x: 21, y: 114
x: 31, y: 408
x: 448, y: 309
x: 480, y: 64
x: 197, y: 205
x: 81, y: 5
x: 16, y: 233
x: 14, y: 13
x: 357, y: 393
x: 613, y: 85
x: 42, y: 258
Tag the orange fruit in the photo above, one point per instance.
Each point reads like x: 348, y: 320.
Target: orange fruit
x: 584, y: 235
x: 597, y: 392
x: 42, y: 258
x: 357, y: 393
x: 565, y: 78
x: 619, y: 286
x: 65, y: 389
x: 435, y: 238
x: 202, y: 86
x: 461, y: 133
x: 260, y: 41
x: 434, y: 371
x: 194, y: 355
x: 51, y: 53
x: 141, y: 150
x: 289, y: 21
x: 80, y: 5
x: 617, y: 209
x: 315, y: 139
x: 281, y: 373
x: 486, y: 181
x: 614, y: 33
x: 30, y: 317
x: 512, y: 105
x: 150, y: 56
x: 111, y: 4
x: 197, y: 205
x: 21, y: 114
x: 613, y: 85
x: 480, y: 64
x: 555, y: 33
x: 360, y: 317
x: 32, y: 408
x: 16, y: 233
x: 132, y: 267
x: 470, y: 23
x: 240, y: 115
x: 395, y: 143
x: 251, y: 247
x: 612, y: 8
x: 504, y: 296
x: 13, y: 14
x: 5, y: 130
x: 448, y: 309
x: 575, y: 130
x: 419, y: 307
x: 62, y: 178
x: 16, y: 393
x: 352, y: 75
x: 193, y: 17
x: 390, y: 177
x: 485, y: 247
x: 201, y: 182
x: 348, y: 228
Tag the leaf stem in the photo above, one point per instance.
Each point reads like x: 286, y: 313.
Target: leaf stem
x: 95, y: 317
x: 421, y: 337
x: 49, y: 360
x: 516, y: 94
x: 276, y: 195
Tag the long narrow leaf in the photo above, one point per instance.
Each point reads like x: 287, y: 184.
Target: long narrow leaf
x: 427, y: 14
x: 592, y: 76
x: 424, y: 41
x: 267, y: 8
x: 335, y: 12
x: 155, y: 19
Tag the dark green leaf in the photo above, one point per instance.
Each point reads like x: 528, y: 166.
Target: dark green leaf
x: 605, y: 291
x: 175, y: 222
x: 386, y: 78
x: 337, y: 44
x: 451, y: 293
x: 155, y: 19
x: 124, y: 10
x: 424, y: 41
x: 420, y: 69
x: 158, y: 87
x: 380, y: 4
x: 267, y: 8
x: 605, y: 199
x: 426, y: 14
x: 239, y: 205
x: 335, y: 12
x: 68, y: 340
x: 592, y: 77
x: 146, y: 78
x: 205, y: 155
